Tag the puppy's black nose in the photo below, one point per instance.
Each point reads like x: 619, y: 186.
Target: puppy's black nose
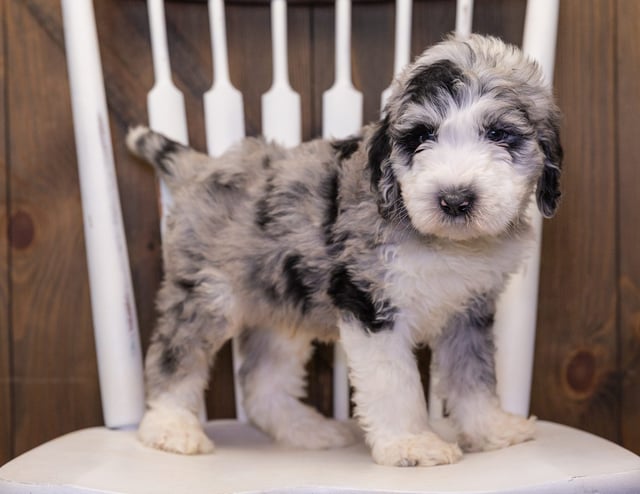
x: 457, y: 202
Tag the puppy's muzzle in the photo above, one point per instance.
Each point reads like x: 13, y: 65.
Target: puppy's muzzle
x: 457, y: 202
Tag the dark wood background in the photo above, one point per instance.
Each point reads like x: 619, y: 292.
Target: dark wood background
x: 587, y: 367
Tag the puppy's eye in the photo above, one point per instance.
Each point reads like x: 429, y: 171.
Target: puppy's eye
x: 427, y: 134
x: 414, y: 138
x: 498, y: 135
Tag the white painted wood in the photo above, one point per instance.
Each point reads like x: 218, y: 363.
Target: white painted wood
x: 342, y: 103
x: 464, y: 18
x: 516, y: 317
x: 223, y: 104
x: 281, y: 113
x: 402, y: 51
x: 113, y: 307
x: 560, y: 461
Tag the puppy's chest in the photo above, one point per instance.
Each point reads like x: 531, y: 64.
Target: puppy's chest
x: 432, y: 283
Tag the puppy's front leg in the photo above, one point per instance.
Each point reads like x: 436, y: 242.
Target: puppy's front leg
x: 389, y: 398
x: 464, y: 365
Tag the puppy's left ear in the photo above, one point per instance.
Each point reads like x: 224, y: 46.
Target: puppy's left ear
x: 548, y: 188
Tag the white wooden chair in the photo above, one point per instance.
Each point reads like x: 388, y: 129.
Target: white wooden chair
x: 110, y: 459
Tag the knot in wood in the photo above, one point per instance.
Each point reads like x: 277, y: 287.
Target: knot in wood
x: 580, y: 372
x: 21, y: 230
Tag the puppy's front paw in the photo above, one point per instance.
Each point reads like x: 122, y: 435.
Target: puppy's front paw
x: 499, y: 430
x: 174, y: 430
x: 424, y: 449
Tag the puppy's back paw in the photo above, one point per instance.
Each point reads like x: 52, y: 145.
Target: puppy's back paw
x: 500, y: 430
x: 174, y: 430
x: 424, y: 450
x: 321, y: 433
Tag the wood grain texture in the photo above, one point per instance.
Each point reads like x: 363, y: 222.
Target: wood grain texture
x: 55, y: 378
x: 628, y: 125
x: 576, y: 378
x: 6, y: 408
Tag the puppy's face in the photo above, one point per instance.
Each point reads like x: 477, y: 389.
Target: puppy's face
x: 470, y: 132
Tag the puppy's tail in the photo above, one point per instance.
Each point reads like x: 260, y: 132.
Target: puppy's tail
x: 176, y: 163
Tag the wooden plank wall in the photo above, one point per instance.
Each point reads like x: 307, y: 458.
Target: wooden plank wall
x: 587, y: 369
x: 6, y: 409
x: 579, y: 381
x: 627, y: 130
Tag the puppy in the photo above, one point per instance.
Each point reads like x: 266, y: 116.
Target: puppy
x: 401, y: 236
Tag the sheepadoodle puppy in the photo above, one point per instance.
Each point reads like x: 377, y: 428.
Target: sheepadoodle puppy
x: 401, y: 236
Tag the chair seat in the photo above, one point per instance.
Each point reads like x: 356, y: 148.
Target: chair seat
x: 99, y: 460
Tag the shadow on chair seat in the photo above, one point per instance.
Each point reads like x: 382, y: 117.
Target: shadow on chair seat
x: 99, y: 460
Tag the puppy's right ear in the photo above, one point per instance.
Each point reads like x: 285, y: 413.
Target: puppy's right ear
x: 383, y: 179
x: 379, y: 152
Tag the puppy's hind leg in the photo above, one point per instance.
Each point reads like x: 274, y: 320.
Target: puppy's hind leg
x: 273, y: 380
x: 192, y: 327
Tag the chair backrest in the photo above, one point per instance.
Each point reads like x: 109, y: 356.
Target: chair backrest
x: 115, y: 321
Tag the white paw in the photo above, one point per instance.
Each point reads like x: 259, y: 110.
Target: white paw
x: 499, y: 430
x: 424, y: 449
x: 313, y: 431
x: 175, y: 430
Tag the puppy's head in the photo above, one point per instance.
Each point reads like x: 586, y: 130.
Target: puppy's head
x: 470, y: 131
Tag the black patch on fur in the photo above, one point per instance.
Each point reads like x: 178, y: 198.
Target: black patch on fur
x: 548, y: 188
x: 379, y: 152
x: 480, y: 314
x: 357, y: 300
x: 164, y: 156
x: 548, y: 191
x: 344, y: 148
x: 186, y: 284
x: 411, y: 140
x: 329, y: 189
x: 479, y: 340
x: 266, y: 162
x: 296, y: 290
x: 263, y: 218
x: 434, y: 81
x: 263, y: 212
x: 169, y: 360
x: 383, y: 180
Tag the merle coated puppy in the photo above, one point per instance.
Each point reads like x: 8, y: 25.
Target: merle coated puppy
x: 401, y: 236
